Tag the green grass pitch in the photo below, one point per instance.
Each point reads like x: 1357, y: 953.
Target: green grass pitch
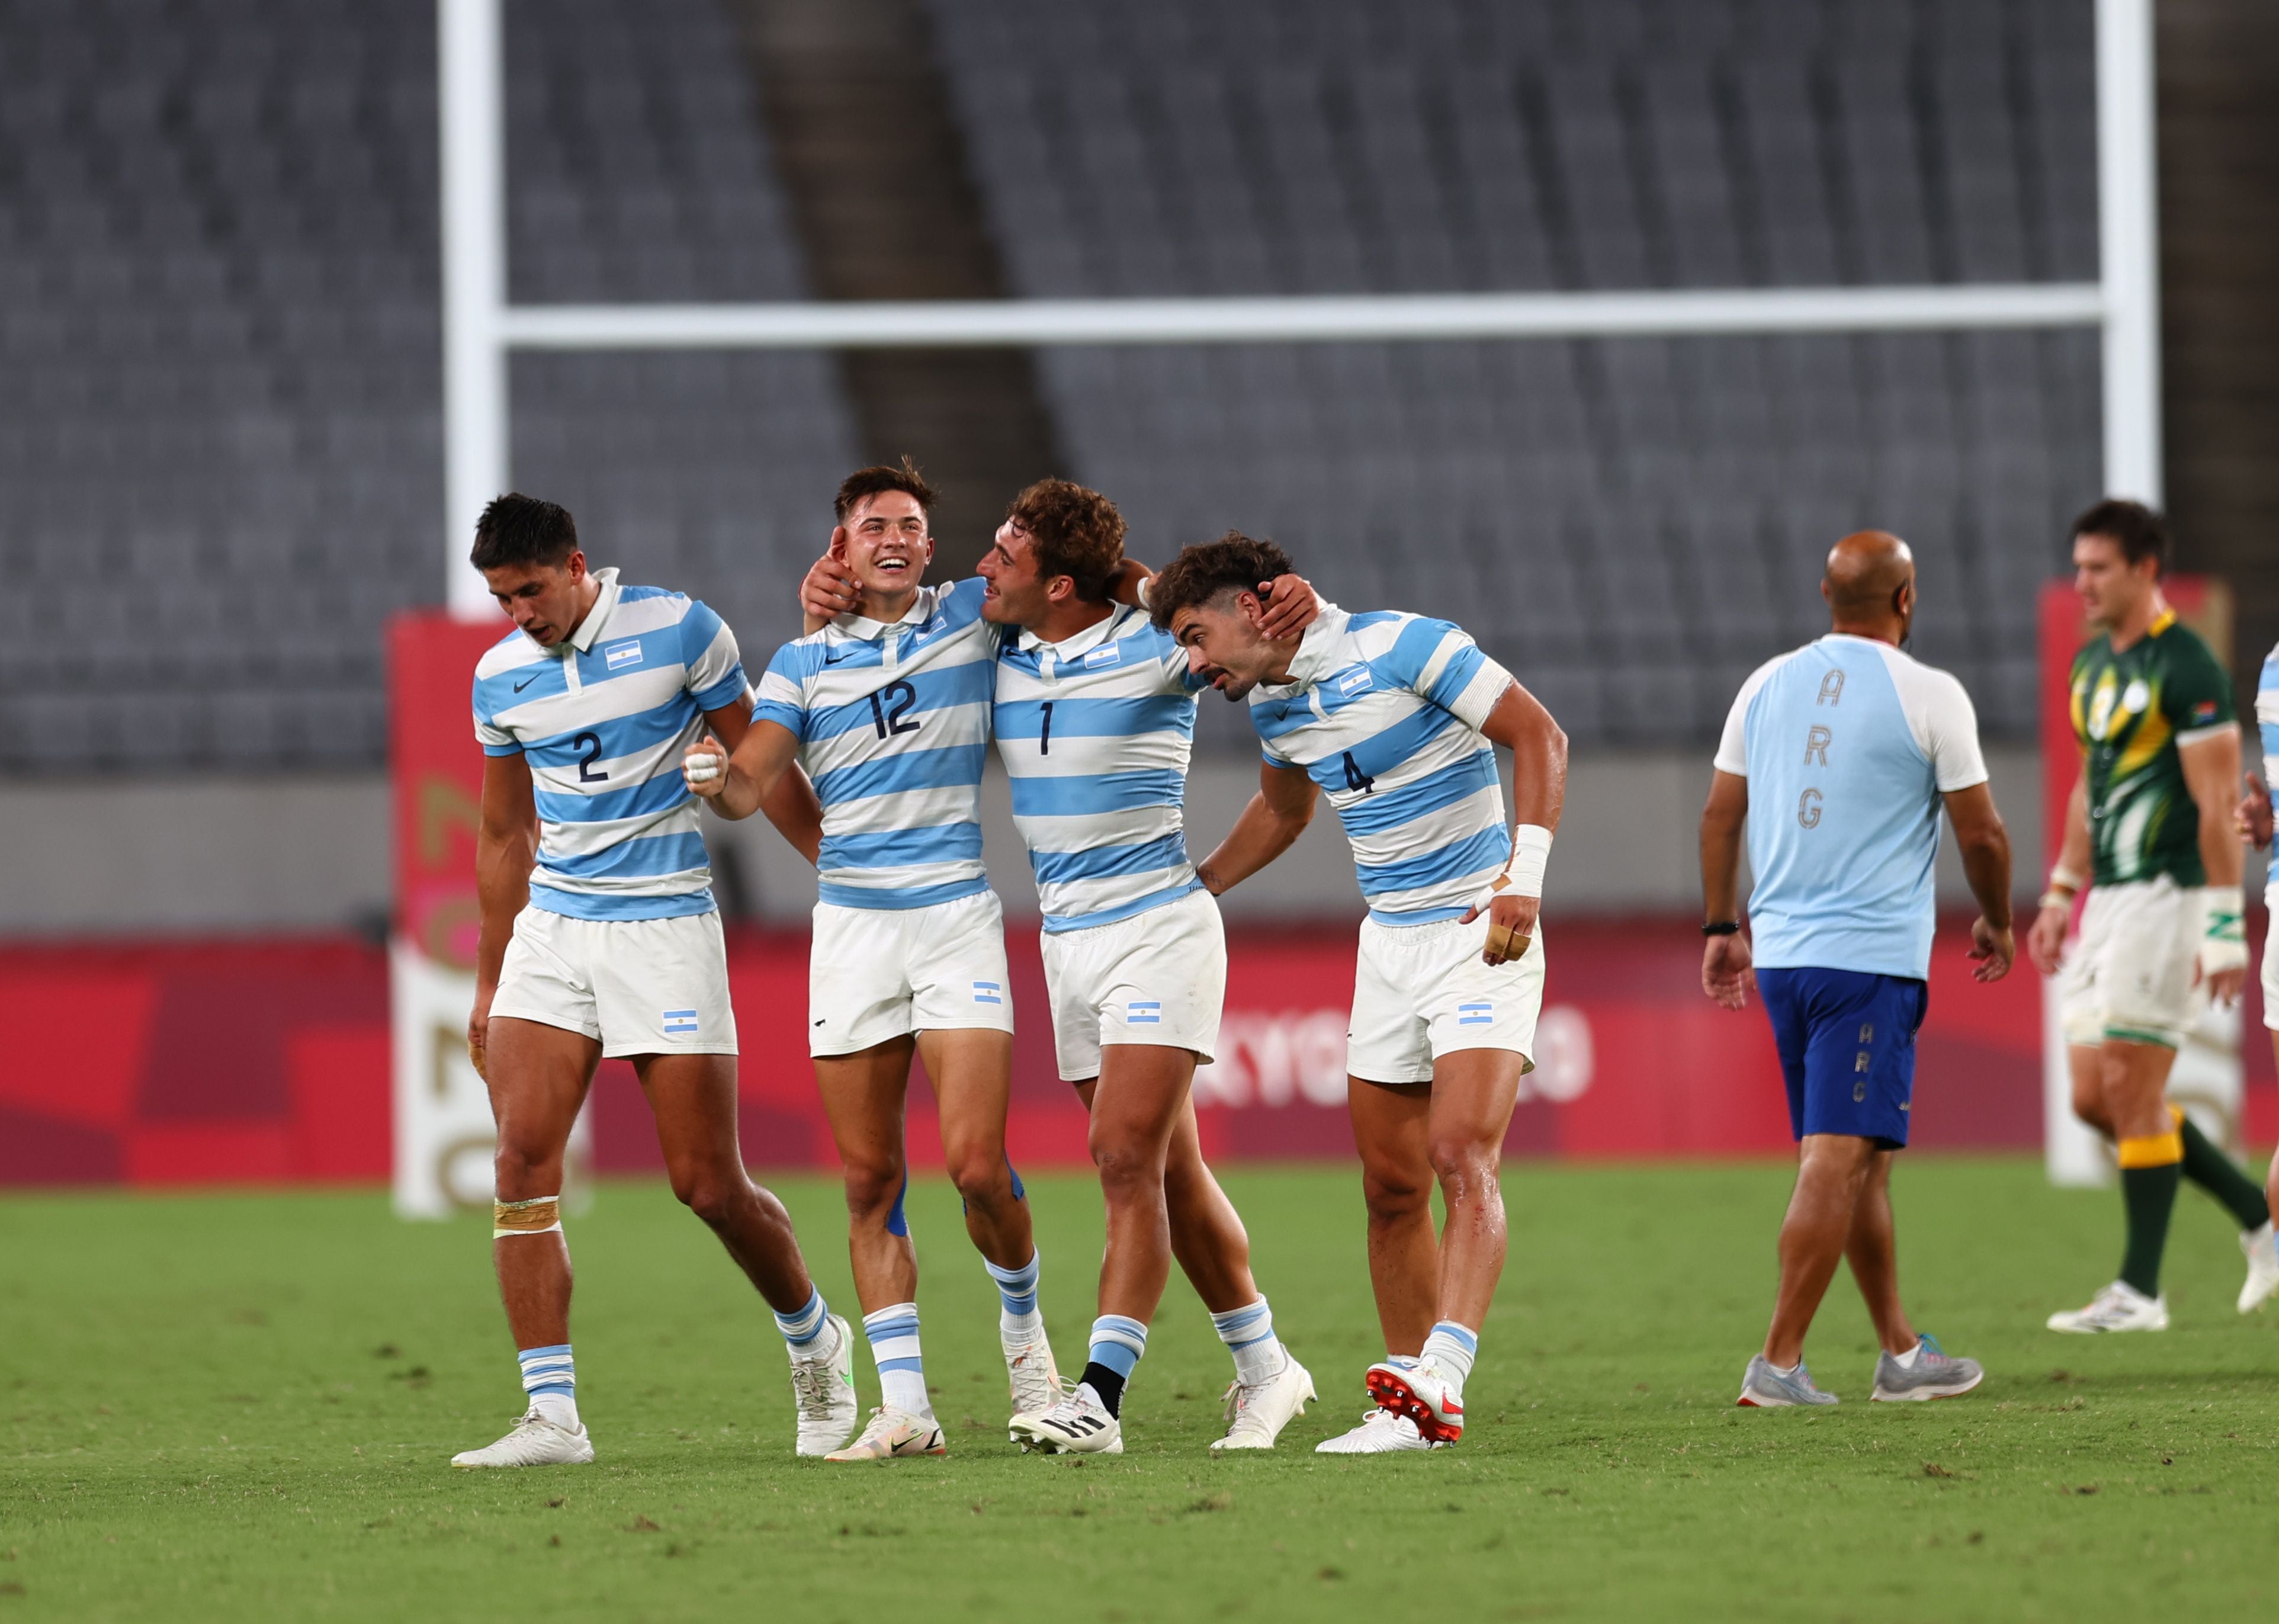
x: 241, y: 1408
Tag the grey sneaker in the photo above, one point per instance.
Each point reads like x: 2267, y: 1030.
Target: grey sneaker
x: 1766, y: 1387
x: 1936, y: 1374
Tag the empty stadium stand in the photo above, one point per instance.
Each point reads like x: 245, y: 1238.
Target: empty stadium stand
x: 219, y: 443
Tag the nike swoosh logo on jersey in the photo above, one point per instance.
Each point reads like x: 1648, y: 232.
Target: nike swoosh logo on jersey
x: 524, y: 683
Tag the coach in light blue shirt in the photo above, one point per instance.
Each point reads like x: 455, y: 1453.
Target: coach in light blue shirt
x: 1837, y: 757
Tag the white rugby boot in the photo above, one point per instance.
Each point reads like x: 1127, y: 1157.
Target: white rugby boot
x: 1381, y: 1432
x: 2262, y: 1252
x: 534, y: 1441
x: 894, y: 1434
x: 2118, y: 1307
x: 1422, y: 1393
x: 1256, y: 1414
x: 823, y: 1393
x: 1035, y: 1376
x: 1078, y: 1425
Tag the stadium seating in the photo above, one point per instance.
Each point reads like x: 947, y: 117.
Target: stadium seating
x: 219, y: 452
x: 220, y: 464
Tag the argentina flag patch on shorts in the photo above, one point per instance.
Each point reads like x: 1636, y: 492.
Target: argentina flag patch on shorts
x: 680, y: 1023
x: 988, y: 992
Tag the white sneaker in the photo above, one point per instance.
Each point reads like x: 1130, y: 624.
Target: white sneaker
x: 1423, y: 1394
x: 1257, y: 1414
x: 1078, y: 1425
x: 894, y: 1434
x: 1034, y: 1375
x: 1381, y: 1432
x: 823, y: 1393
x: 2119, y: 1308
x: 2262, y: 1251
x: 534, y: 1441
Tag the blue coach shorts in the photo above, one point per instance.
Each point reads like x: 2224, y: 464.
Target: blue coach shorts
x: 1847, y: 1049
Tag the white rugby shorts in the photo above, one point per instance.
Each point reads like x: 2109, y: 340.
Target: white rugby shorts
x: 640, y: 987
x: 1158, y: 977
x: 876, y: 973
x: 1421, y: 992
x: 2130, y: 974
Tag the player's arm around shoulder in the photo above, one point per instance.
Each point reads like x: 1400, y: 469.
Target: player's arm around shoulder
x: 506, y: 850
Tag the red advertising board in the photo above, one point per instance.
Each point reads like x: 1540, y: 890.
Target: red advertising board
x: 437, y: 779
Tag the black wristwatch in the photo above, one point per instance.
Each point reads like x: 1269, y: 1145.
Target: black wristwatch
x: 1722, y: 927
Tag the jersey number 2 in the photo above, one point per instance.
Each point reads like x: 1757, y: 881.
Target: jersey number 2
x: 591, y: 743
x: 901, y: 696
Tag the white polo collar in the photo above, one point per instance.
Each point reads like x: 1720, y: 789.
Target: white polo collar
x: 1099, y: 632
x: 590, y: 628
x: 1317, y: 648
x: 865, y: 629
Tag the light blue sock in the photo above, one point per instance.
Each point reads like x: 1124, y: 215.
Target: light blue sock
x: 1249, y: 1333
x: 549, y: 1376
x: 1117, y: 1343
x: 1451, y: 1348
x: 1018, y: 1318
x: 803, y: 1330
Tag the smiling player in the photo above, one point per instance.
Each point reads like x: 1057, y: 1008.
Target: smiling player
x: 1094, y: 716
x: 887, y: 709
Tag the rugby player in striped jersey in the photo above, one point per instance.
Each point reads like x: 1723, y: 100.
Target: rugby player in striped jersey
x: 1394, y: 717
x: 1093, y: 713
x: 887, y: 709
x: 600, y: 937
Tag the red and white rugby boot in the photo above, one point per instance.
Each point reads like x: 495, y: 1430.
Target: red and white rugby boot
x: 1423, y: 1394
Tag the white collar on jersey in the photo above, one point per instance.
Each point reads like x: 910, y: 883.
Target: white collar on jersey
x: 865, y: 629
x: 590, y: 628
x: 1084, y: 642
x: 1316, y: 650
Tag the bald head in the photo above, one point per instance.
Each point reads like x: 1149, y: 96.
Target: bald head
x: 1868, y: 573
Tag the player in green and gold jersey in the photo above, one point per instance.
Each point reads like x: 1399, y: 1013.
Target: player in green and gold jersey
x: 2149, y: 825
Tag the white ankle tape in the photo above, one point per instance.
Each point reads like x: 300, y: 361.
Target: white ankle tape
x: 537, y: 1216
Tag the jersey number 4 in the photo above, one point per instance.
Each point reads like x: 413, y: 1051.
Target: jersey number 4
x: 890, y: 705
x: 1355, y: 778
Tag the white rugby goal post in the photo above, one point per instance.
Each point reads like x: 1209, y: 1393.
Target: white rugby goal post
x: 482, y: 329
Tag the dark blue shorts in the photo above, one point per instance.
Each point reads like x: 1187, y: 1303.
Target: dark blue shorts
x: 1847, y: 1049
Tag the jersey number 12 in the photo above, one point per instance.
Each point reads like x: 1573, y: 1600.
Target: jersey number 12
x: 899, y: 696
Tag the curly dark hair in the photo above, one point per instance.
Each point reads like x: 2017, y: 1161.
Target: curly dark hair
x: 2139, y: 533
x: 516, y: 529
x: 1076, y: 532
x: 866, y: 482
x: 1234, y: 562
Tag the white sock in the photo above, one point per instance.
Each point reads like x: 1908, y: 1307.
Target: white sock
x: 1906, y: 1361
x: 549, y: 1376
x: 1450, y: 1349
x: 1019, y: 1320
x: 894, y: 1334
x: 1249, y: 1333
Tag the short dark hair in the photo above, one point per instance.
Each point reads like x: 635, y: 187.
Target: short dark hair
x: 868, y: 482
x: 2139, y: 533
x: 1234, y: 562
x: 516, y: 529
x: 1076, y: 532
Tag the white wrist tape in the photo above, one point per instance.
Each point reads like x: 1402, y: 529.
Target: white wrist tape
x: 2223, y: 941
x: 1530, y: 849
x: 702, y: 766
x: 2062, y: 878
x: 1140, y: 591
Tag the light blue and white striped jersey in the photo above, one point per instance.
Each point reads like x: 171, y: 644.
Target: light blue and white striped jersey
x: 1096, y: 733
x: 603, y: 718
x: 1848, y: 744
x: 2267, y: 723
x: 1383, y: 711
x: 893, y: 723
